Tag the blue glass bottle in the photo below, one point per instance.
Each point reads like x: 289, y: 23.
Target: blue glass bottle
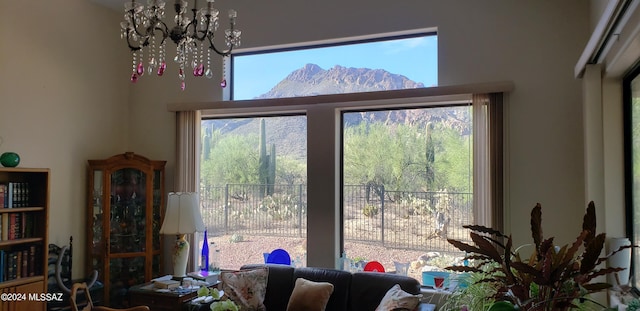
x: 204, y: 255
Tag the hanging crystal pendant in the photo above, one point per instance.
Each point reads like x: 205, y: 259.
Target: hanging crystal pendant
x: 181, y: 74
x: 223, y: 83
x: 140, y: 69
x: 152, y: 65
x: 183, y: 86
x: 161, y: 69
x: 134, y: 77
x: 208, y: 73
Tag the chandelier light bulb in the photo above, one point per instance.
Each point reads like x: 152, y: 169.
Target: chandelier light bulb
x: 194, y: 30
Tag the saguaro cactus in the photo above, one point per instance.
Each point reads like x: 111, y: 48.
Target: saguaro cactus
x: 272, y: 170
x: 430, y: 155
x: 266, y: 163
x: 263, y: 161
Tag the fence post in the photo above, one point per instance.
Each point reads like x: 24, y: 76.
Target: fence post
x: 226, y: 208
x: 300, y: 210
x: 382, y: 214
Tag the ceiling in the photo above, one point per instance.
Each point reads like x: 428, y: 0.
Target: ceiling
x: 116, y: 5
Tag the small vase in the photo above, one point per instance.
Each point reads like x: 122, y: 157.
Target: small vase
x: 180, y: 256
x: 9, y: 159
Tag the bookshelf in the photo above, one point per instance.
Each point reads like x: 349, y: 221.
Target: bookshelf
x: 24, y: 226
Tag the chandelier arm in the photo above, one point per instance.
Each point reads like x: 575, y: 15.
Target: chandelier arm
x: 164, y: 30
x: 222, y: 53
x: 131, y: 46
x: 205, y: 33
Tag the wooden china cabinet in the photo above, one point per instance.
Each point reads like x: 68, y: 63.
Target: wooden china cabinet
x: 125, y: 209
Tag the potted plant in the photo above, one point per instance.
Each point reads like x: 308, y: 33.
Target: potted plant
x: 552, y: 278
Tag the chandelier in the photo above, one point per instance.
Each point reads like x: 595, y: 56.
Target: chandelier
x: 146, y: 34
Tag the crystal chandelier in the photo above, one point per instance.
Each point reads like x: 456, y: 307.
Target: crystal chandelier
x: 147, y: 34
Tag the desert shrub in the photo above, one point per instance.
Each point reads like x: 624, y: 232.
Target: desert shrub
x: 370, y: 210
x: 280, y: 206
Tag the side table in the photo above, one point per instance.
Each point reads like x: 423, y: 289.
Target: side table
x: 160, y: 300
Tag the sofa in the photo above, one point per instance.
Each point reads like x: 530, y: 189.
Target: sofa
x: 359, y: 291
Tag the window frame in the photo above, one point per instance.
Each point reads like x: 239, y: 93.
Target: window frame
x: 627, y: 99
x: 228, y: 94
x: 324, y: 248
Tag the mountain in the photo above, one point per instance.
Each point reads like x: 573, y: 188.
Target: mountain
x: 312, y: 80
x: 289, y: 134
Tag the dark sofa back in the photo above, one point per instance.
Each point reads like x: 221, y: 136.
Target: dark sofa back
x: 280, y: 284
x: 360, y: 291
x: 368, y: 288
x: 341, y: 281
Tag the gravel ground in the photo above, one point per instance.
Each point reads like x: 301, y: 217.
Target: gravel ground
x: 251, y: 249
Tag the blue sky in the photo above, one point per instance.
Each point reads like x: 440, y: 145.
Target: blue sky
x: 415, y: 58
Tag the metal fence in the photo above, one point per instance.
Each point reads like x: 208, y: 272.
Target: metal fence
x: 398, y: 219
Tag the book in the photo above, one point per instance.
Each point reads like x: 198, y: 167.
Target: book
x: 25, y: 263
x: 11, y: 265
x: 166, y: 284
x: 15, y: 226
x: 18, y: 264
x: 5, y: 226
x: 3, y: 191
x: 10, y: 194
x: 32, y: 260
x: 210, y: 277
x: 2, y: 265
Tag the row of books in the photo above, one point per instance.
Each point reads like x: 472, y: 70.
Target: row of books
x: 17, y: 225
x: 14, y: 194
x: 15, y: 264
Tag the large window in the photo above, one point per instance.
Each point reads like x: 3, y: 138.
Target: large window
x: 407, y: 186
x: 387, y: 176
x: 253, y: 187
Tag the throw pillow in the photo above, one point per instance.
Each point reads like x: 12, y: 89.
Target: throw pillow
x: 246, y: 288
x: 397, y: 299
x: 309, y: 296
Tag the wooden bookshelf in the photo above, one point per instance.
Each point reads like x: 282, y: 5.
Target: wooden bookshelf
x: 32, y: 243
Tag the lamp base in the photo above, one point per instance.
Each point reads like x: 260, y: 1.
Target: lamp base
x: 180, y: 256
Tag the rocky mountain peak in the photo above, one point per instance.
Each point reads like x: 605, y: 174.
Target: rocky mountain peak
x: 311, y: 80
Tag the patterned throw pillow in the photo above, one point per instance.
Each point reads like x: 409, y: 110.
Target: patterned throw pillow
x: 309, y: 296
x: 397, y: 299
x: 246, y: 288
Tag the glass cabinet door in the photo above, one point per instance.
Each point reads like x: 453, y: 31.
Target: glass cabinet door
x: 97, y: 241
x: 128, y: 211
x: 125, y: 211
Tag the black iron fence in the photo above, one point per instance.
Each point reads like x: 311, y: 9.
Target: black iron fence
x: 399, y: 219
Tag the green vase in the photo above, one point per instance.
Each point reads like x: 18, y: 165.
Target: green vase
x: 9, y: 159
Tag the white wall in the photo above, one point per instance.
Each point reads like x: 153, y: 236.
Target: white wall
x: 533, y: 43
x: 64, y: 99
x: 66, y: 95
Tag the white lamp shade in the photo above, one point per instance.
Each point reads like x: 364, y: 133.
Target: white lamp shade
x: 183, y: 214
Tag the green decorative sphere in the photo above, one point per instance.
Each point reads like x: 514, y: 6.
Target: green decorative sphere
x: 9, y: 159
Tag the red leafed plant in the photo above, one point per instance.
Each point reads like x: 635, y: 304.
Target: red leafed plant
x: 552, y: 278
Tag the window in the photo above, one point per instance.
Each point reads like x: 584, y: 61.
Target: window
x: 253, y: 187
x: 631, y: 94
x: 332, y: 188
x: 407, y: 186
x: 384, y: 62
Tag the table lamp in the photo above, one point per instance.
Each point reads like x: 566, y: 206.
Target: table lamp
x: 182, y: 217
